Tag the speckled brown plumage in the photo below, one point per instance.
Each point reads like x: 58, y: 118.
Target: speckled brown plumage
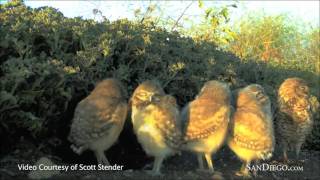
x: 99, y: 119
x: 251, y: 134
x: 294, y: 117
x: 206, y: 121
x: 168, y: 120
x: 155, y: 118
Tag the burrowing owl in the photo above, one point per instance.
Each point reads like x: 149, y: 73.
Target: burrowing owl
x: 251, y: 134
x: 155, y: 122
x: 99, y: 119
x: 294, y: 116
x: 206, y: 121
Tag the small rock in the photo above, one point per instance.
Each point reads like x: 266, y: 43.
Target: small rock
x: 217, y: 176
x: 91, y: 177
x: 43, y: 174
x: 128, y: 170
x: 10, y: 173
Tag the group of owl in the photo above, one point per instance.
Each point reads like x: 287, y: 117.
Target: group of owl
x: 202, y: 126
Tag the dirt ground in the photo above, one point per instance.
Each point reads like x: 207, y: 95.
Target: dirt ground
x: 178, y: 167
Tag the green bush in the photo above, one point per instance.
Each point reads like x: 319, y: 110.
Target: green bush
x: 50, y: 62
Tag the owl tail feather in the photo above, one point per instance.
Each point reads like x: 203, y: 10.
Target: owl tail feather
x: 266, y: 155
x: 78, y: 150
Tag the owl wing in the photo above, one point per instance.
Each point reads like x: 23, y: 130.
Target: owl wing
x: 315, y: 105
x: 168, y: 124
x: 299, y: 109
x: 251, y: 131
x: 285, y: 126
x: 94, y: 117
x: 203, y: 118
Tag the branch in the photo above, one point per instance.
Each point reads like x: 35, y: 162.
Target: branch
x: 146, y: 13
x: 177, y: 21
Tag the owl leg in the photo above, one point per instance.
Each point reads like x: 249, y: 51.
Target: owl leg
x: 298, y: 148
x: 101, y: 158
x: 209, y: 161
x: 255, y: 172
x: 285, y: 155
x: 157, y: 166
x: 200, y: 161
x: 244, y: 171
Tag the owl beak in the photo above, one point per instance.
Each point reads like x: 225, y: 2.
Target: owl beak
x: 154, y: 98
x: 262, y: 98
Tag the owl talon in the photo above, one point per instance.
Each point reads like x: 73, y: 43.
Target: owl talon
x: 102, y: 159
x: 147, y: 166
x: 244, y: 174
x: 78, y: 150
x: 286, y: 161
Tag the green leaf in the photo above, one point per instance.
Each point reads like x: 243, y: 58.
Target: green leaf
x: 200, y: 2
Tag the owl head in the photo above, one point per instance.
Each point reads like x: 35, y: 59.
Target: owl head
x: 293, y: 88
x: 253, y: 94
x: 218, y: 90
x: 146, y: 92
x: 164, y: 99
x: 110, y: 87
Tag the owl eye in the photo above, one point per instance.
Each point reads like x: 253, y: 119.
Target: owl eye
x: 302, y: 88
x: 142, y: 94
x: 155, y: 98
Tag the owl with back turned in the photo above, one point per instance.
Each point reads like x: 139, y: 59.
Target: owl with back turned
x: 99, y: 119
x: 206, y: 121
x: 294, y: 117
x: 155, y: 119
x: 251, y: 135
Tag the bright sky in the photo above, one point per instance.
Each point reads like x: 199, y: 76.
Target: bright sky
x: 306, y: 11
